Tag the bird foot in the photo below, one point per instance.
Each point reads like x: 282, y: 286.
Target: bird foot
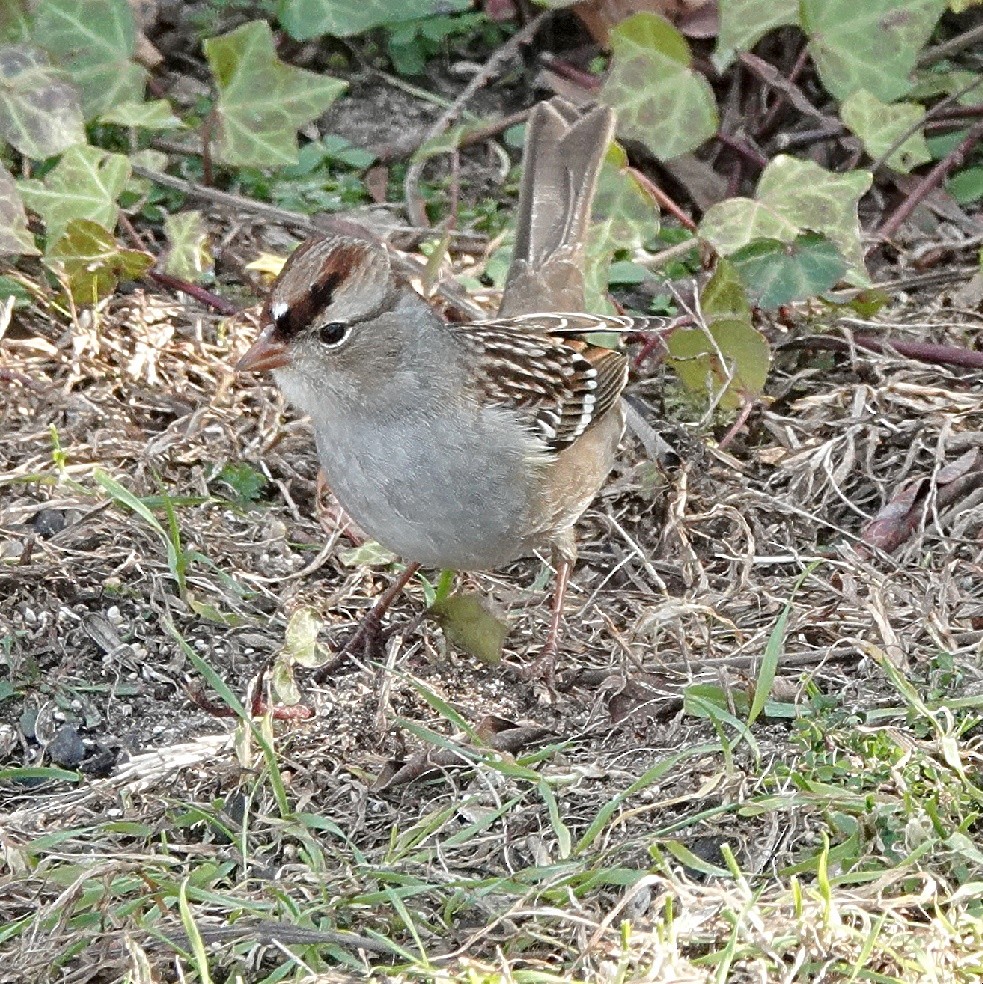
x: 542, y: 668
x: 366, y: 641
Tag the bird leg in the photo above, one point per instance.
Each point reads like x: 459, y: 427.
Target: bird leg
x: 370, y: 625
x: 543, y: 667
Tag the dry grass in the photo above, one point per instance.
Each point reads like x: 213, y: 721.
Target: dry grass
x: 652, y: 834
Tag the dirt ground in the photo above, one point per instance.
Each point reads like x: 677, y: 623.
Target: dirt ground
x: 686, y: 568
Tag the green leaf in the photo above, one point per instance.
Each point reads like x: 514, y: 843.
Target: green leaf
x: 727, y: 362
x: 304, y: 19
x: 879, y: 125
x: 15, y: 22
x: 966, y: 186
x: 938, y: 81
x: 94, y: 41
x: 793, y: 197
x: 468, y: 625
x: 40, y: 112
x: 246, y: 482
x: 84, y: 185
x: 777, y: 273
x: 300, y: 640
x: 660, y: 100
x: 774, y: 649
x: 625, y: 216
x: 15, y: 237
x: 744, y: 22
x: 369, y: 554
x: 262, y: 102
x: 93, y: 261
x: 188, y: 256
x: 724, y: 295
x: 871, y: 45
x: 154, y: 115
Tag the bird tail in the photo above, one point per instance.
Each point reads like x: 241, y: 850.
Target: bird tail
x: 562, y: 158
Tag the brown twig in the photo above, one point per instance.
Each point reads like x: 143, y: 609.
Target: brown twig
x: 931, y: 181
x: 942, y: 355
x: 934, y: 113
x: 664, y: 201
x: 749, y: 404
x: 747, y: 150
x: 774, y: 79
x: 414, y: 206
x: 764, y: 131
x: 965, y: 40
x: 199, y: 293
x: 482, y: 133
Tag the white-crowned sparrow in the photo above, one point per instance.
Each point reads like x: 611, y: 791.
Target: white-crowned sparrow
x: 462, y: 446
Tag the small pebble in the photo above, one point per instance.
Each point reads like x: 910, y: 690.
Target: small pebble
x: 48, y: 522
x: 67, y: 748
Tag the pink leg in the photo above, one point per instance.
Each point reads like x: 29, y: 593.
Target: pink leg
x: 369, y: 625
x: 543, y: 667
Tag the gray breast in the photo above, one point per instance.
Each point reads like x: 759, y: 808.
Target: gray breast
x: 446, y: 489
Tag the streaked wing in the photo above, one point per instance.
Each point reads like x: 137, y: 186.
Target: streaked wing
x: 558, y: 389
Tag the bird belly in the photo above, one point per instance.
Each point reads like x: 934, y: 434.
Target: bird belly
x: 444, y: 497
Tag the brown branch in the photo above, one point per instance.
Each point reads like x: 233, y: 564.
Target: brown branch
x: 511, y: 47
x: 743, y: 147
x: 933, y: 114
x: 942, y: 355
x: 749, y: 404
x: 199, y: 293
x: 968, y: 38
x: 662, y: 198
x: 764, y: 131
x: 932, y: 180
x: 774, y: 80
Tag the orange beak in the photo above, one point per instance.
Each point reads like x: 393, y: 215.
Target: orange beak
x: 264, y: 354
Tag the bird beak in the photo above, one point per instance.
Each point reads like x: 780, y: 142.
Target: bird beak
x: 264, y: 354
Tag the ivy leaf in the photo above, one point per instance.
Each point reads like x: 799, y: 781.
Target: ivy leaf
x: 84, y: 185
x: 724, y: 295
x: 731, y: 354
x: 368, y: 554
x: 262, y: 102
x: 15, y: 22
x: 879, y: 125
x: 935, y: 81
x: 660, y: 100
x: 188, y: 256
x: 15, y: 237
x: 93, y: 262
x: 966, y: 186
x: 154, y: 115
x: 305, y: 19
x: 793, y: 197
x: 40, y: 113
x: 872, y: 45
x: 777, y: 273
x: 300, y: 639
x: 624, y: 214
x: 744, y: 22
x: 246, y: 482
x: 299, y: 648
x: 94, y: 41
x: 468, y: 625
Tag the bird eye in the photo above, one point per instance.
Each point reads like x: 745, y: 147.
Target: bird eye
x: 332, y: 333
